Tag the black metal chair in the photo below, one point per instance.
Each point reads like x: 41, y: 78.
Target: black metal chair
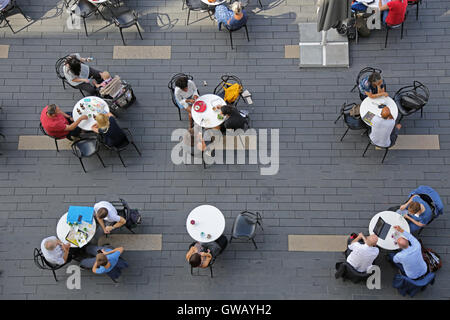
x: 226, y: 81
x: 86, y: 9
x: 411, y: 99
x: 416, y: 3
x: 60, y: 73
x: 10, y: 8
x: 246, y: 2
x: 351, y: 122
x: 85, y: 148
x: 386, y: 149
x: 43, y: 264
x: 123, y: 210
x: 55, y: 138
x: 364, y: 72
x: 390, y: 27
x: 233, y: 30
x: 123, y: 18
x: 171, y: 87
x: 244, y: 227
x: 123, y: 146
x: 195, y: 5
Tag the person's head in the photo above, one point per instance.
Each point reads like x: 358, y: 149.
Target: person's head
x: 102, y: 122
x: 195, y: 260
x: 51, y: 110
x: 375, y: 79
x: 403, y: 243
x: 386, y: 113
x: 105, y: 75
x: 414, y: 207
x: 50, y: 244
x: 102, y: 213
x: 372, y: 240
x: 182, y: 83
x: 227, y: 110
x: 74, y: 65
x: 236, y: 7
x: 101, y: 259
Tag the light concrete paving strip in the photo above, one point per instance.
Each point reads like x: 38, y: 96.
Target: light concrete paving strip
x: 328, y: 243
x: 142, y: 52
x: 133, y: 242
x: 4, y: 51
x: 292, y: 51
x: 42, y: 143
x: 416, y: 142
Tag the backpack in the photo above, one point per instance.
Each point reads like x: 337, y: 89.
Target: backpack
x: 432, y: 259
x: 413, y: 100
x: 232, y: 92
x: 134, y: 219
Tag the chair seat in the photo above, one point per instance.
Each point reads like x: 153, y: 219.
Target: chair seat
x: 124, y: 16
x: 86, y: 7
x: 195, y: 4
x: 243, y: 227
x: 87, y: 147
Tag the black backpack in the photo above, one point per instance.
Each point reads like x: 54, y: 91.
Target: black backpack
x: 413, y: 100
x: 134, y: 218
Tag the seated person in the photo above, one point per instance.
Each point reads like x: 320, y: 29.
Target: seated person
x: 185, y: 93
x: 106, y: 77
x: 393, y: 12
x: 234, y: 120
x: 103, y: 259
x: 79, y: 74
x: 384, y: 131
x: 105, y: 212
x: 55, y: 252
x: 59, y: 124
x: 372, y: 86
x: 201, y: 254
x: 362, y: 256
x: 4, y: 4
x: 419, y: 213
x: 232, y: 19
x: 109, y: 130
x: 409, y: 260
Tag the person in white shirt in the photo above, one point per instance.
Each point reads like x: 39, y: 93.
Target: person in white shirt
x: 363, y: 255
x: 383, y: 132
x: 105, y: 212
x: 54, y: 251
x: 185, y: 93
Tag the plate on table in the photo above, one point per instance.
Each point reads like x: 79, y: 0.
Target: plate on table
x: 199, y: 106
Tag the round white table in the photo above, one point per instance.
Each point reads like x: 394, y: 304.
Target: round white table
x: 216, y: 3
x: 208, y: 118
x: 92, y: 106
x: 208, y: 220
x: 394, y: 219
x: 97, y: 1
x: 371, y: 105
x: 62, y: 229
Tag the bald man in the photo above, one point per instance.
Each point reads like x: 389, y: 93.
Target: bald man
x: 54, y: 251
x: 362, y: 256
x: 384, y: 132
x: 409, y: 260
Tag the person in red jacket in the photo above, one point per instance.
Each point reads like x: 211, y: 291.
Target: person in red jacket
x: 393, y: 12
x: 59, y: 124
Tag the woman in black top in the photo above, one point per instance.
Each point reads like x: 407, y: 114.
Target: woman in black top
x: 110, y: 131
x: 234, y: 119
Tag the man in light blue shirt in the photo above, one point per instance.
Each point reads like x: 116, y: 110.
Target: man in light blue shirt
x: 409, y: 260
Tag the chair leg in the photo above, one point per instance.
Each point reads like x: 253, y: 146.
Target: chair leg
x: 9, y: 25
x: 189, y: 14
x: 56, y: 144
x: 140, y: 154
x: 85, y: 28
x: 345, y: 133
x: 246, y: 31
x: 260, y: 4
x: 120, y: 157
x: 385, y: 153
x: 121, y: 34
x: 82, y: 93
x: 368, y: 145
x: 21, y: 12
x: 54, y: 275
x: 354, y: 87
x: 210, y: 268
x: 401, y: 34
x: 254, y: 243
x: 231, y: 39
x: 387, y: 34
x: 81, y: 161
x: 139, y: 31
x: 101, y: 160
x: 421, y: 112
x: 192, y: 271
x: 417, y: 11
x: 64, y: 85
x: 179, y: 113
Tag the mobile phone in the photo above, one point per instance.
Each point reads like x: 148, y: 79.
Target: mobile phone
x: 99, y: 251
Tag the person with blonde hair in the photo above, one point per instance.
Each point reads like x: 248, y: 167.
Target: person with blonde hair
x: 109, y: 130
x: 233, y: 18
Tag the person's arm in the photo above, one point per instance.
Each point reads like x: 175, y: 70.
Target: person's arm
x: 405, y: 205
x: 94, y: 267
x: 95, y: 128
x: 120, y: 249
x: 417, y: 223
x: 208, y: 257
x: 190, y: 253
x: 66, y: 253
x: 101, y: 223
x: 359, y: 237
x: 117, y: 225
x: 382, y: 7
x: 75, y: 124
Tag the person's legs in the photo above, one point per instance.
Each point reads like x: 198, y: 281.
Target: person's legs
x: 94, y: 73
x: 394, y: 135
x: 89, y: 88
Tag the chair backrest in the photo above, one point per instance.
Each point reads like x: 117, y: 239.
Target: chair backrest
x: 59, y: 65
x: 42, y: 263
x: 226, y: 81
x: 41, y: 127
x: 413, y: 96
x: 365, y: 71
x: 79, y: 147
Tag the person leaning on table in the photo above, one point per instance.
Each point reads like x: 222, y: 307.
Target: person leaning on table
x: 79, y: 74
x: 384, y: 131
x: 105, y: 212
x: 362, y: 256
x: 59, y: 124
x: 419, y: 213
x: 110, y: 132
x: 55, y: 252
x: 373, y: 86
x: 103, y: 259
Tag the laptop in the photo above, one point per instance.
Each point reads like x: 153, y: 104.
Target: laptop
x: 381, y: 228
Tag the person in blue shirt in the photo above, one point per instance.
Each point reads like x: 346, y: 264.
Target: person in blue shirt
x: 409, y: 260
x: 232, y: 19
x: 419, y: 213
x: 103, y: 259
x: 372, y: 86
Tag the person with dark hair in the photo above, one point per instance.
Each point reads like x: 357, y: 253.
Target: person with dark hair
x: 79, y: 74
x: 103, y: 259
x: 372, y: 86
x: 185, y: 93
x: 201, y: 254
x: 419, y: 212
x: 107, y: 217
x: 59, y: 124
x: 234, y: 120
